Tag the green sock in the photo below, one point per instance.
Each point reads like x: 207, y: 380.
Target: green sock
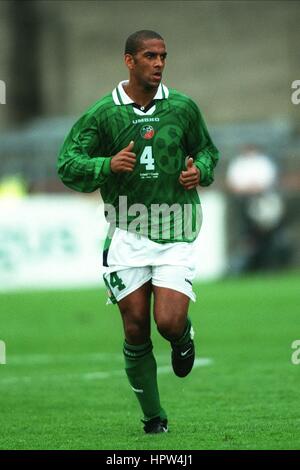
x: 141, y: 370
x: 186, y: 335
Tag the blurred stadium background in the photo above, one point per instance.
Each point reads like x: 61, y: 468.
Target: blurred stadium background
x: 238, y: 61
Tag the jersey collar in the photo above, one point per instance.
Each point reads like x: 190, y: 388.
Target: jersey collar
x: 120, y: 97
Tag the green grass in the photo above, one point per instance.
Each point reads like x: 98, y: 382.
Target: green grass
x: 248, y: 398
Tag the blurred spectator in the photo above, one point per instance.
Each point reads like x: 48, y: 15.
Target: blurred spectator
x: 262, y: 242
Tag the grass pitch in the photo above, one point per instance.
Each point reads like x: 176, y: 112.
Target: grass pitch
x: 63, y: 386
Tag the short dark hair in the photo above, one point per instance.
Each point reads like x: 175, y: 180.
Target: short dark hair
x: 133, y: 42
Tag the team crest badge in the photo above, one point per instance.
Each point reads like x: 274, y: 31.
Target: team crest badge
x: 147, y: 132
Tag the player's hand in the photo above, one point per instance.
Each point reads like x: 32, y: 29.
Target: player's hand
x: 123, y: 160
x: 191, y: 177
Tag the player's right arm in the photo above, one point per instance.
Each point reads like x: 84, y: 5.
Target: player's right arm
x: 79, y: 165
x: 123, y: 160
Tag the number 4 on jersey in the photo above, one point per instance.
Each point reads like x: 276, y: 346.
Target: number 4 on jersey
x: 147, y: 158
x: 116, y: 281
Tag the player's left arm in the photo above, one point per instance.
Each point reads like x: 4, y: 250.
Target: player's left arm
x: 205, y: 155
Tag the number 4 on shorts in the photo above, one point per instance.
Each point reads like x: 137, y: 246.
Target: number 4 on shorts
x: 116, y: 281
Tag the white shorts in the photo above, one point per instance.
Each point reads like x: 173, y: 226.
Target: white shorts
x: 132, y: 260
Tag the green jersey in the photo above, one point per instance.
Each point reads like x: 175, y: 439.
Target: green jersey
x: 168, y: 130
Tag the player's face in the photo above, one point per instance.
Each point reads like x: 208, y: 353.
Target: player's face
x: 148, y: 63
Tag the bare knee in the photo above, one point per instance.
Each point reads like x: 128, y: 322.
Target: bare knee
x: 136, y: 332
x: 136, y: 326
x: 170, y: 328
x: 135, y: 312
x: 170, y: 312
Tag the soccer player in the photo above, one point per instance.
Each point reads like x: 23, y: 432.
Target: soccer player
x: 146, y: 148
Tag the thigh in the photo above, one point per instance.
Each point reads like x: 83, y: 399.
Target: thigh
x: 135, y: 313
x: 170, y: 311
x: 169, y: 302
x: 172, y: 289
x: 131, y: 290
